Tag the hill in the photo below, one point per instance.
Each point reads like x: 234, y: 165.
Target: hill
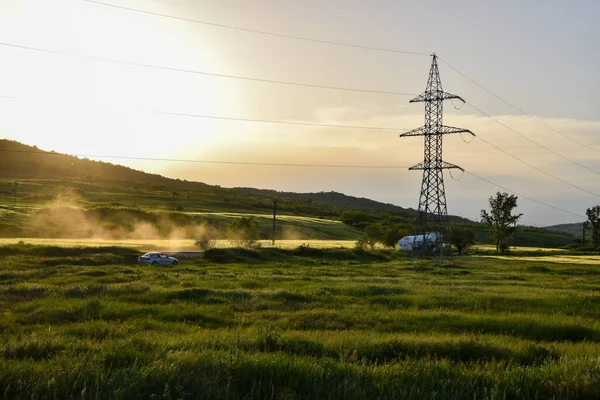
x: 20, y: 161
x: 48, y: 194
x: 575, y: 229
x: 334, y: 199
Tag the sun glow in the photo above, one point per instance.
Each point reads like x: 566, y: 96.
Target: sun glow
x: 95, y: 107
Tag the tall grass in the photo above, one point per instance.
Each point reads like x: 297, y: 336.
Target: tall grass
x: 287, y: 324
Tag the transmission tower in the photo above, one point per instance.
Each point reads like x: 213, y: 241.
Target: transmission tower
x: 432, y: 202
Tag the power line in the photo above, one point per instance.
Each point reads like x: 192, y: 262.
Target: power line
x: 274, y: 122
x: 329, y: 126
x: 537, y: 169
x: 520, y: 110
x: 261, y: 80
x: 524, y: 196
x: 532, y: 141
x: 189, y: 71
x: 317, y: 165
x: 352, y: 45
x: 210, y: 161
x: 373, y: 128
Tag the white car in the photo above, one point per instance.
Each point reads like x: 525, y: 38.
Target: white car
x: 157, y: 259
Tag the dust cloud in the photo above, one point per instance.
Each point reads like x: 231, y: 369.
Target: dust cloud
x: 66, y: 216
x: 291, y: 233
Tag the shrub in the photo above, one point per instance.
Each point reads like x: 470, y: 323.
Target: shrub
x: 244, y: 232
x: 461, y: 237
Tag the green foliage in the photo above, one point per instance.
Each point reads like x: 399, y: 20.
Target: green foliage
x: 383, y: 233
x: 461, y: 237
x: 501, y: 222
x: 593, y: 223
x: 244, y: 232
x: 580, y: 247
x: 374, y: 233
x: 357, y: 219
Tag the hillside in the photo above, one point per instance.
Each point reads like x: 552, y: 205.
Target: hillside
x: 21, y: 161
x: 575, y: 230
x: 64, y: 196
x: 334, y: 199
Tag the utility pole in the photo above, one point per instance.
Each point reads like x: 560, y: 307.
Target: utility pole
x: 432, y: 201
x: 274, y: 219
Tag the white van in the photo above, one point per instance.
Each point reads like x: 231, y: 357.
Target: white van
x: 428, y: 241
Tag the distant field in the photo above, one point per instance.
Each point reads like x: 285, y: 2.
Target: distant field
x: 562, y: 259
x: 170, y: 245
x: 296, y: 324
x: 291, y: 227
x: 489, y: 247
x: 294, y: 218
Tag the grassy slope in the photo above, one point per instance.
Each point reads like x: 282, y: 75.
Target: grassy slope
x: 20, y: 163
x: 575, y: 230
x: 528, y: 237
x: 275, y: 324
x: 196, y: 207
x: 43, y: 177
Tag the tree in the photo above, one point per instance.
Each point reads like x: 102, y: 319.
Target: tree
x: 244, y: 232
x: 374, y: 233
x: 593, y: 223
x: 501, y: 222
x: 384, y: 233
x: 461, y: 237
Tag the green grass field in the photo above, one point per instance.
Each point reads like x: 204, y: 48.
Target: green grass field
x: 304, y: 323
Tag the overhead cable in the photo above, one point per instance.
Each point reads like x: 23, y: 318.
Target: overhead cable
x: 533, y: 141
x: 524, y: 196
x: 520, y: 110
x: 375, y: 128
x: 196, y: 72
x: 197, y: 21
x: 267, y: 164
x: 537, y: 169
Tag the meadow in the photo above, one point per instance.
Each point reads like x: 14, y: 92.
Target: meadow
x: 84, y: 322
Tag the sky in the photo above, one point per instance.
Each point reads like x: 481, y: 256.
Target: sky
x: 540, y: 56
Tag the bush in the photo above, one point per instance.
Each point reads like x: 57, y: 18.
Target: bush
x: 244, y: 232
x: 305, y: 250
x: 361, y: 244
x: 236, y: 255
x: 461, y: 237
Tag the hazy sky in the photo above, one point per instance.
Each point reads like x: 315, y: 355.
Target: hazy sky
x: 541, y: 56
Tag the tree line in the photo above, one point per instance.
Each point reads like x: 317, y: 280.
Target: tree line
x: 500, y: 221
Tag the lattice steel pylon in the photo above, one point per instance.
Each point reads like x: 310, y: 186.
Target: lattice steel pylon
x: 432, y: 201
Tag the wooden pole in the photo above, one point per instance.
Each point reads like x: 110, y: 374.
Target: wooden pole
x: 274, y: 219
